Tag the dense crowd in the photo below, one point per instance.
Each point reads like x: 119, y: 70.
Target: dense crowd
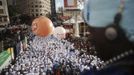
x: 84, y: 44
x: 51, y: 56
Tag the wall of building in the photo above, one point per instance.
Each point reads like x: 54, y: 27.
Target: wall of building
x: 4, y: 17
x: 34, y: 8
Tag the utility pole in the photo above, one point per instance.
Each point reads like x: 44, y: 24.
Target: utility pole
x: 53, y: 12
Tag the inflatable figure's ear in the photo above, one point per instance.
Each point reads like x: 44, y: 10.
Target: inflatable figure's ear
x: 117, y: 18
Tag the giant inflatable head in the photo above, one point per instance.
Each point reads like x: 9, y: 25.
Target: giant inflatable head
x: 60, y: 32
x: 42, y: 26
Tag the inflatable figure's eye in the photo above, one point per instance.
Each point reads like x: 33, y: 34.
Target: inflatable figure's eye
x: 34, y: 26
x: 111, y: 33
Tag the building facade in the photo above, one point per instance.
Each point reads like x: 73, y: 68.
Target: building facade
x: 4, y: 16
x: 34, y: 8
x: 11, y: 2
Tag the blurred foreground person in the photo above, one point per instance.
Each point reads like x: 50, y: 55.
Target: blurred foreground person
x: 114, y: 41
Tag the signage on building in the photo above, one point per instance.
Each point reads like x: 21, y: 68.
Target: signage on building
x: 70, y: 4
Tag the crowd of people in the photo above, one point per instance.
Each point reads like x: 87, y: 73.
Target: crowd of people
x: 83, y: 44
x: 51, y: 56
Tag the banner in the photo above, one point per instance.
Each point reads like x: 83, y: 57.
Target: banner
x: 11, y: 52
x: 6, y: 57
x: 3, y: 57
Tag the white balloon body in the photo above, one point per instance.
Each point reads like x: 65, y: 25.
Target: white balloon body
x: 60, y: 32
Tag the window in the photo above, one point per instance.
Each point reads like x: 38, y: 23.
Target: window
x: 36, y: 5
x: 42, y: 5
x: 36, y: 14
x: 1, y: 11
x: 31, y: 2
x: 36, y: 10
x: 32, y: 10
x: 5, y: 19
x: 40, y: 2
x: 0, y: 3
x: 0, y: 19
x: 45, y: 10
x: 33, y: 15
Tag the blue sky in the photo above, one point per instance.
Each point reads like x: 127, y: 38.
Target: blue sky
x: 59, y: 3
